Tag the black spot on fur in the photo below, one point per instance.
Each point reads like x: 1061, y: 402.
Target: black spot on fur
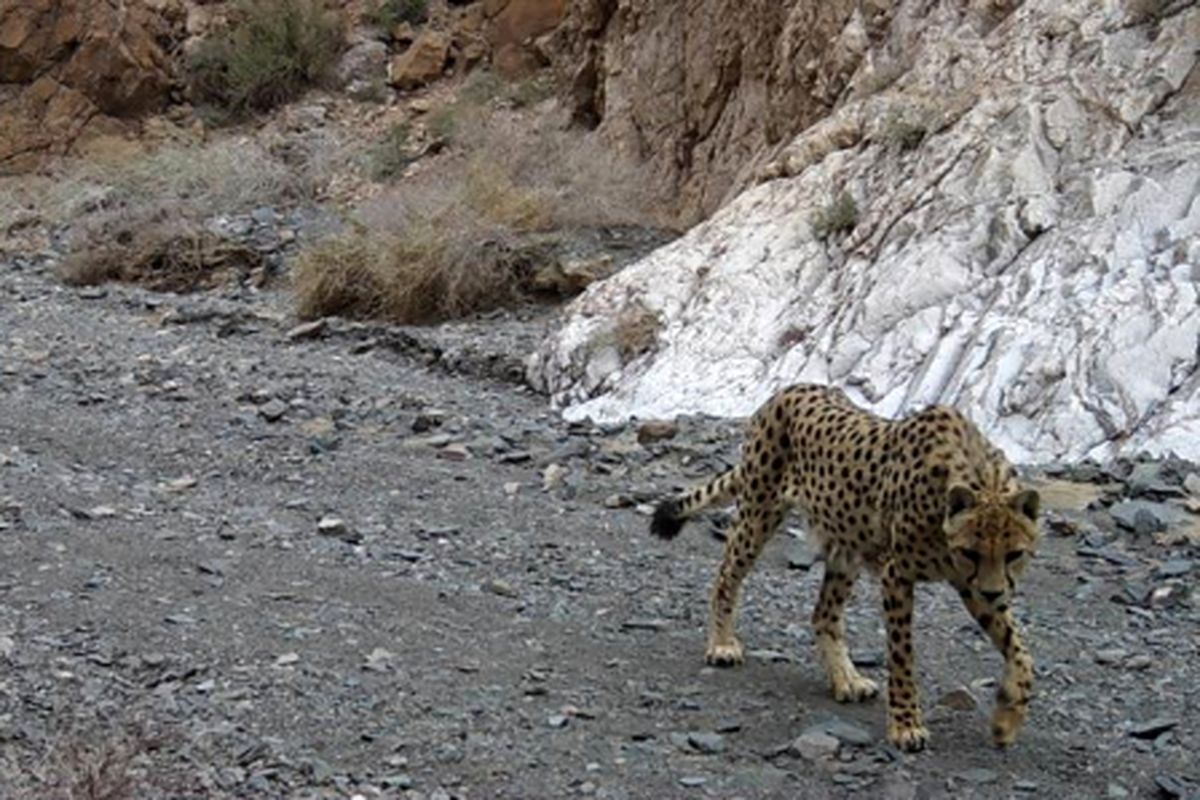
x: 666, y: 522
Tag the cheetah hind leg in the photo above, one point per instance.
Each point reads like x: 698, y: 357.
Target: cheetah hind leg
x: 847, y: 683
x: 749, y: 532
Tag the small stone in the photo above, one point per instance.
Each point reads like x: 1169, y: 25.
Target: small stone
x: 287, y: 659
x: 455, y: 451
x: 802, y: 556
x: 7, y: 646
x: 618, y: 501
x: 557, y: 720
x: 707, y: 743
x: 977, y: 775
x: 181, y: 484
x: 1175, y: 568
x: 644, y: 624
x: 1192, y: 484
x: 553, y: 476
x: 692, y: 781
x: 511, y: 488
x: 656, y: 431
x: 499, y: 587
x: 846, y: 732
x: 959, y: 699
x: 1111, y: 655
x: 338, y: 529
x: 1142, y: 516
x: 378, y: 660
x: 101, y: 512
x: 1116, y: 791
x: 273, y: 410
x: 1138, y: 662
x: 1152, y: 729
x: 1025, y: 786
x: 307, y: 330
x: 402, y: 781
x: 816, y: 745
x: 428, y: 420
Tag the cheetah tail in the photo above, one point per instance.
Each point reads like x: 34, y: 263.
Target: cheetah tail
x: 671, y: 513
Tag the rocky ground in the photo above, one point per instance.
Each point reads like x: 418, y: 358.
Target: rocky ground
x: 244, y: 559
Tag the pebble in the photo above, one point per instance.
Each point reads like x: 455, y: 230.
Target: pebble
x: 1153, y: 728
x: 959, y: 699
x: 287, y: 659
x: 307, y: 330
x: 706, y: 742
x: 338, y: 529
x: 693, y: 781
x: 844, y: 731
x: 553, y: 476
x: 1025, y: 786
x: 499, y: 587
x: 1110, y: 655
x: 977, y: 775
x: 815, y: 745
x: 273, y: 410
x: 557, y: 720
x: 378, y: 660
x: 1175, y: 568
x: 656, y: 431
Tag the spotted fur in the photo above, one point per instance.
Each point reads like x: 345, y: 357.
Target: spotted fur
x: 923, y: 498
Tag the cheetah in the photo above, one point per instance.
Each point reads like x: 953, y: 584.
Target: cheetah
x: 921, y: 498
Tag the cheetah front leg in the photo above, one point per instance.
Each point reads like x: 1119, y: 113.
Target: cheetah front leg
x: 836, y: 587
x: 906, y: 728
x: 1016, y: 685
x: 750, y: 531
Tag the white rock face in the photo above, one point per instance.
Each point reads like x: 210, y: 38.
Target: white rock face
x: 1034, y: 261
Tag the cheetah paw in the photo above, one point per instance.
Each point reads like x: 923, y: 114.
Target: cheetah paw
x: 725, y: 655
x: 910, y: 739
x: 1006, y: 722
x: 855, y: 689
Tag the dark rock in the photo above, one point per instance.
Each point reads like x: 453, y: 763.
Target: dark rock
x: 1153, y: 728
x: 706, y: 742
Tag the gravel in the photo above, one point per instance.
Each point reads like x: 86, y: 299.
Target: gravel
x: 252, y: 560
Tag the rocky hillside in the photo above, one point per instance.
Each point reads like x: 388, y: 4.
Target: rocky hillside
x: 1000, y: 212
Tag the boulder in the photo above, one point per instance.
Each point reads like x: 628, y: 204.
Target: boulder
x: 1030, y: 258
x: 76, y: 66
x: 422, y: 62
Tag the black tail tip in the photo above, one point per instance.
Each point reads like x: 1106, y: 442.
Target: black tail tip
x: 667, y: 523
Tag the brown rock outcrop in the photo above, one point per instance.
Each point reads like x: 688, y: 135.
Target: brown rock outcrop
x: 699, y: 89
x: 72, y: 66
x: 422, y: 62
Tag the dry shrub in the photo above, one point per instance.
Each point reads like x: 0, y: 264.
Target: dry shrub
x: 416, y: 279
x: 633, y: 332
x: 451, y: 237
x: 229, y: 176
x: 838, y: 217
x: 165, y: 255
x: 636, y: 331
x: 273, y: 51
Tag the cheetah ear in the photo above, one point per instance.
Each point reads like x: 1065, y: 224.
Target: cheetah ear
x: 959, y: 500
x: 1026, y: 503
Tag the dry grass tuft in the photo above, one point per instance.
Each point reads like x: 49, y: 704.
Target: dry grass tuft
x: 171, y: 255
x: 420, y: 278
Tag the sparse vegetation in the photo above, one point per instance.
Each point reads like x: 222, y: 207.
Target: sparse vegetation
x: 273, y: 51
x: 389, y: 13
x: 392, y: 153
x: 636, y: 331
x: 839, y: 217
x: 901, y: 132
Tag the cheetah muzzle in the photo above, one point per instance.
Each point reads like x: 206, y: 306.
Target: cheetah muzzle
x: 923, y: 498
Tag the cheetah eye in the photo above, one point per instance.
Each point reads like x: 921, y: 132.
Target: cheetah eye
x: 973, y: 556
x: 1013, y: 555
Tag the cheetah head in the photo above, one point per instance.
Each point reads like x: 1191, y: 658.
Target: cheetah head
x: 991, y: 538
